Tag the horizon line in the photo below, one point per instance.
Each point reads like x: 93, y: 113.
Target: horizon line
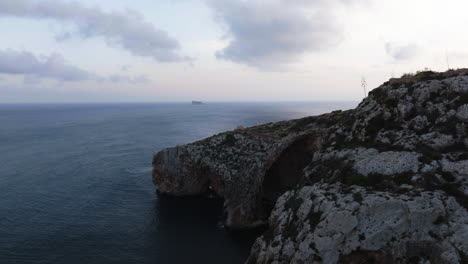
x: 185, y: 101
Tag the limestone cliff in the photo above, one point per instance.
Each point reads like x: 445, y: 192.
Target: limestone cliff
x: 385, y: 182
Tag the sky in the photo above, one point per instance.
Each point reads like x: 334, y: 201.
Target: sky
x: 221, y: 50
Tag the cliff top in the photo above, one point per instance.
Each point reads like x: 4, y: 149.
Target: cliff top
x: 386, y: 182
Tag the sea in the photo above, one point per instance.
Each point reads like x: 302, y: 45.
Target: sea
x: 75, y: 181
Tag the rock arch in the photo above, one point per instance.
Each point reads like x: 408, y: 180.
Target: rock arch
x: 286, y: 172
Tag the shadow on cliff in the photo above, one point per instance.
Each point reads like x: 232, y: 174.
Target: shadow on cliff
x: 287, y: 170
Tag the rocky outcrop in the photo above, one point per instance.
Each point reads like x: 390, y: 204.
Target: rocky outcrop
x: 387, y: 181
x: 333, y: 223
x: 234, y: 165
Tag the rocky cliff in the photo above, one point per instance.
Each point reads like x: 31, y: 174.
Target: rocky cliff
x: 386, y: 182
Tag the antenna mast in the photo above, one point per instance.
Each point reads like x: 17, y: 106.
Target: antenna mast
x: 364, y: 86
x: 447, y: 59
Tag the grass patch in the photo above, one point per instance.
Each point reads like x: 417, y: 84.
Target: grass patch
x: 403, y: 178
x: 371, y: 180
x: 229, y: 140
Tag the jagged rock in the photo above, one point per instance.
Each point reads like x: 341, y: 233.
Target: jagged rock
x: 334, y: 224
x: 233, y: 164
x: 462, y: 112
x: 387, y: 182
x: 457, y: 84
x: 419, y: 123
x: 386, y: 163
x: 437, y: 141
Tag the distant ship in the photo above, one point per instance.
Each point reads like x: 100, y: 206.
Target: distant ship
x: 197, y: 102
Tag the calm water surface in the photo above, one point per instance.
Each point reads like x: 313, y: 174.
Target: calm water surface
x: 75, y: 182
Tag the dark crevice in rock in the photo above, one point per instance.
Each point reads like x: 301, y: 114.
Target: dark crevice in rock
x: 287, y: 171
x: 367, y: 257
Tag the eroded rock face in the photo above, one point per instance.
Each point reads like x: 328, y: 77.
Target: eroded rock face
x: 234, y: 165
x: 337, y: 224
x: 385, y: 182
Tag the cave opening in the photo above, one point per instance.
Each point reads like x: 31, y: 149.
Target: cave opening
x: 287, y: 170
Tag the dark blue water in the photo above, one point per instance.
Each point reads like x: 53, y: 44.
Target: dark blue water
x: 75, y: 182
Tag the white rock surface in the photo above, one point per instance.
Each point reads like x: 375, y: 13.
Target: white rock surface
x: 350, y: 220
x: 462, y: 112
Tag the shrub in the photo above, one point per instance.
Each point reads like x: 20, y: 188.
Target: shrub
x: 229, y: 139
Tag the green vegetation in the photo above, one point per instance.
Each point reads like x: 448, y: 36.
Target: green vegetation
x: 229, y: 140
x: 391, y: 102
x: 463, y: 257
x: 426, y: 75
x: 407, y: 75
x: 378, y: 181
x: 292, y: 229
x: 403, y: 178
x: 313, y: 246
x: 362, y: 237
x: 378, y: 93
x: 440, y: 219
x: 357, y: 197
x: 462, y: 99
x: 449, y: 127
x: 432, y: 182
x: 302, y: 123
x: 447, y: 176
x: 371, y: 180
x: 452, y: 189
x: 314, y: 219
x: 429, y: 154
x: 378, y: 123
x: 293, y: 203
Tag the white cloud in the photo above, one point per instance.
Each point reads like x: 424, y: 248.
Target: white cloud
x: 400, y: 52
x: 267, y: 34
x: 54, y: 67
x: 128, y: 30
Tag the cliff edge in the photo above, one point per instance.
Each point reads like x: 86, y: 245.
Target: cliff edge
x: 385, y: 182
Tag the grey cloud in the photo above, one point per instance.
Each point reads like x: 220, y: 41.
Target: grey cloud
x: 116, y: 78
x: 54, y: 67
x: 128, y: 29
x: 401, y: 52
x: 125, y: 67
x: 267, y: 34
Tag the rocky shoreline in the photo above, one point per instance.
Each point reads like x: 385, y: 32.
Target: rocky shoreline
x: 386, y: 182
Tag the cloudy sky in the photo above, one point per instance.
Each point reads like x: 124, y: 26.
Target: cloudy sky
x: 220, y: 50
